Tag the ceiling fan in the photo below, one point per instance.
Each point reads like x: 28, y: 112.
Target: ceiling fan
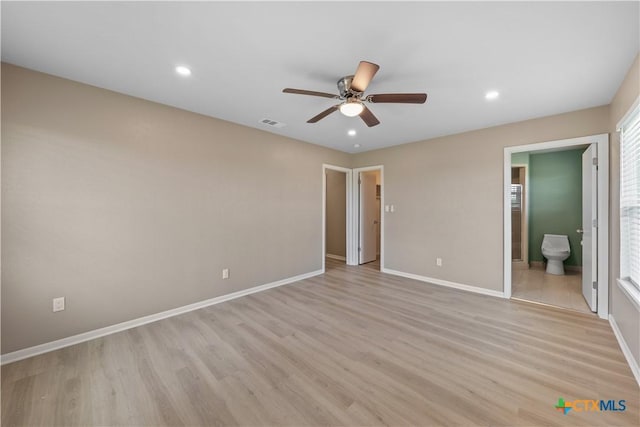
x: 352, y: 89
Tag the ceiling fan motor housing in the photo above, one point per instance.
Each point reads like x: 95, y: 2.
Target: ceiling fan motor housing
x: 344, y: 87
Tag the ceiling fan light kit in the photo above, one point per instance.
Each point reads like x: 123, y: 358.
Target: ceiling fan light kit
x: 351, y: 89
x: 351, y: 107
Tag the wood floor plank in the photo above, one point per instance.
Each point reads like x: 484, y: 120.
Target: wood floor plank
x: 350, y: 347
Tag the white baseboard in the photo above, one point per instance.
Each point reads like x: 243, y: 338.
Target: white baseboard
x: 97, y: 333
x: 446, y: 283
x: 338, y: 257
x: 633, y: 364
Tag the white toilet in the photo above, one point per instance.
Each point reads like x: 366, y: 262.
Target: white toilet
x: 555, y: 248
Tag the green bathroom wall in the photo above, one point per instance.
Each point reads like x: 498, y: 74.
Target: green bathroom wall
x: 520, y: 159
x: 555, y: 201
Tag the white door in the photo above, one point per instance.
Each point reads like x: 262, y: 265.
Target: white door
x: 589, y: 227
x: 368, y: 217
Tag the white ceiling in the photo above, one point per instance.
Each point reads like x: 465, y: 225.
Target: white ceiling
x: 544, y: 58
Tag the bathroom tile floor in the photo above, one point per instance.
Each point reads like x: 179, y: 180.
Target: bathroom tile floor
x: 561, y: 291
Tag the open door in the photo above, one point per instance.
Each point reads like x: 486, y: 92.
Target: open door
x: 368, y: 217
x: 590, y: 227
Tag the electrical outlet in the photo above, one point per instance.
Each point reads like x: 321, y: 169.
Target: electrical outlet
x: 225, y: 273
x: 58, y: 304
x: 439, y: 262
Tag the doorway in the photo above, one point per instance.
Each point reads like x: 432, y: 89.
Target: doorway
x: 369, y: 218
x: 557, y: 205
x: 353, y: 222
x: 552, y: 200
x: 337, y: 212
x: 336, y: 215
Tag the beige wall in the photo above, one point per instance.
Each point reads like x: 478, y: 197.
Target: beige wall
x: 626, y: 314
x: 129, y: 208
x: 448, y: 198
x: 336, y: 232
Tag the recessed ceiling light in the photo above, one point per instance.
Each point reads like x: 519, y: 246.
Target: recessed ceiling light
x: 352, y: 132
x: 183, y: 71
x: 356, y: 145
x: 492, y: 94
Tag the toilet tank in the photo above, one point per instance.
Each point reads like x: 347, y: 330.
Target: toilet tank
x: 555, y: 242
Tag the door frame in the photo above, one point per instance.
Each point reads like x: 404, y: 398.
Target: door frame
x: 355, y: 217
x: 349, y: 211
x: 588, y: 173
x: 602, y: 149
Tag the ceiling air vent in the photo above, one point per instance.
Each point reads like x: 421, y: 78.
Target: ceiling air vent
x: 272, y: 123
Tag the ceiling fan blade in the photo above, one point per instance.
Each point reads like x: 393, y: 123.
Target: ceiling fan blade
x: 364, y: 74
x: 400, y: 98
x: 310, y: 92
x: 368, y: 117
x: 324, y: 114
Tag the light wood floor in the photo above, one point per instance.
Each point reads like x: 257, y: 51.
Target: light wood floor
x: 351, y: 347
x: 562, y: 291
